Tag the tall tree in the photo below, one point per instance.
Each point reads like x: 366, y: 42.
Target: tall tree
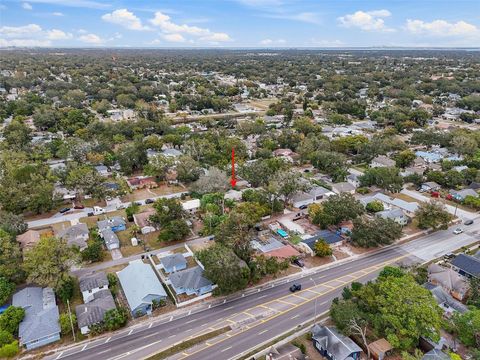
x: 433, y: 215
x: 49, y: 262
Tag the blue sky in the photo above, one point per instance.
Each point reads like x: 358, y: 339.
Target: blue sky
x: 239, y: 23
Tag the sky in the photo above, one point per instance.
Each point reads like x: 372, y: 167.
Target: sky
x: 240, y: 23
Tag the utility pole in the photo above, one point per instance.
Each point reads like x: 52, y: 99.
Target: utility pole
x: 71, y: 320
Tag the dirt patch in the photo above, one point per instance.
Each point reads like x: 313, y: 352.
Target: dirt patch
x: 314, y: 261
x: 291, y: 270
x: 311, y: 352
x: 340, y: 254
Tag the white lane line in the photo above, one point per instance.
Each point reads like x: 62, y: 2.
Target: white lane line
x: 323, y: 303
x: 84, y: 347
x: 171, y: 336
x: 149, y: 326
x: 171, y: 318
x: 294, y: 317
x: 261, y: 297
x: 149, y: 335
x: 190, y: 321
x: 107, y: 340
x: 228, y: 308
x: 104, y: 351
x: 262, y: 332
x: 228, y: 348
x: 59, y: 355
x: 188, y: 330
x: 130, y: 332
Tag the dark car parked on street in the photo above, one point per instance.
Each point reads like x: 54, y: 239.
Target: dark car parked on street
x: 295, y: 287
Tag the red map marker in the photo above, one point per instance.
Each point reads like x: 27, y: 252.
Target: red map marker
x: 233, y: 181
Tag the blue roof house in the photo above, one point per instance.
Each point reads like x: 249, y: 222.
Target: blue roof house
x: 172, y: 263
x: 190, y: 282
x: 141, y: 287
x: 40, y: 325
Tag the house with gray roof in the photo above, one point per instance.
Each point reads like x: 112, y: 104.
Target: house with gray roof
x: 91, y: 284
x: 190, y: 282
x: 447, y: 303
x: 467, y: 266
x: 115, y: 223
x: 343, y: 187
x: 40, y: 325
x: 382, y: 161
x: 76, y: 235
x: 110, y: 238
x: 395, y: 214
x: 172, y: 263
x: 171, y: 153
x: 333, y: 345
x: 435, y: 354
x: 141, y: 287
x: 462, y: 194
x: 93, y: 312
x: 450, y: 280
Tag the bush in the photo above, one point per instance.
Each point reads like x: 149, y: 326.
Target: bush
x: 64, y: 289
x: 6, y: 289
x: 11, y: 318
x: 5, y: 338
x: 115, y: 319
x: 9, y: 350
x: 322, y: 249
x: 65, y: 325
x: 301, y: 346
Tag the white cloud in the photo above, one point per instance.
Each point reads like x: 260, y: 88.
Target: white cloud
x: 272, y: 42
x: 165, y: 24
x: 30, y: 35
x: 366, y: 20
x: 82, y: 31
x: 56, y: 34
x: 27, y: 6
x: 326, y: 43
x: 20, y: 31
x: 442, y: 28
x: 307, y: 17
x: 91, y: 39
x: 124, y: 18
x: 174, y: 37
x: 57, y: 13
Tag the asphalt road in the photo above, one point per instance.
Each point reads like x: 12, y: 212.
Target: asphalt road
x: 281, y: 310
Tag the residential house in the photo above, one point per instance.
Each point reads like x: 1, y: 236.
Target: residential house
x: 271, y: 247
x: 102, y: 170
x: 343, y: 187
x: 171, y: 153
x: 142, y: 220
x: 93, y: 312
x: 172, y: 263
x: 379, y: 349
x: 430, y: 186
x: 447, y: 303
x: 408, y: 208
x: 430, y: 157
x: 353, y: 179
x: 40, y: 325
x: 285, y: 352
x: 466, y: 265
x: 333, y: 345
x: 141, y: 287
x: 284, y: 252
x: 111, y: 239
x: 412, y: 170
x: 234, y: 195
x: 382, y: 161
x: 286, y: 154
x: 115, y: 223
x: 76, y: 235
x: 449, y: 280
x: 346, y: 227
x: 435, y: 354
x: 91, y: 284
x: 302, y: 199
x: 190, y: 282
x: 191, y: 206
x: 396, y: 215
x: 320, y: 193
x: 462, y: 194
x: 142, y: 182
x: 28, y: 239
x: 330, y: 237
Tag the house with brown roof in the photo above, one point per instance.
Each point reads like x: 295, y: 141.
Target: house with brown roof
x: 142, y: 220
x: 28, y: 239
x: 142, y: 182
x: 449, y: 280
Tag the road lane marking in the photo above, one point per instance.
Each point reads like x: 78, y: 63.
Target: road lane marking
x: 315, y: 292
x: 190, y: 321
x: 300, y: 297
x: 294, y: 317
x: 171, y: 336
x: 103, y: 352
x: 59, y: 355
x: 372, y: 269
x: 130, y: 332
x: 262, y: 332
x: 149, y: 326
x: 286, y: 302
x: 261, y: 297
x: 150, y: 335
x: 84, y: 347
x: 246, y: 313
x: 228, y: 348
x: 107, y: 340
